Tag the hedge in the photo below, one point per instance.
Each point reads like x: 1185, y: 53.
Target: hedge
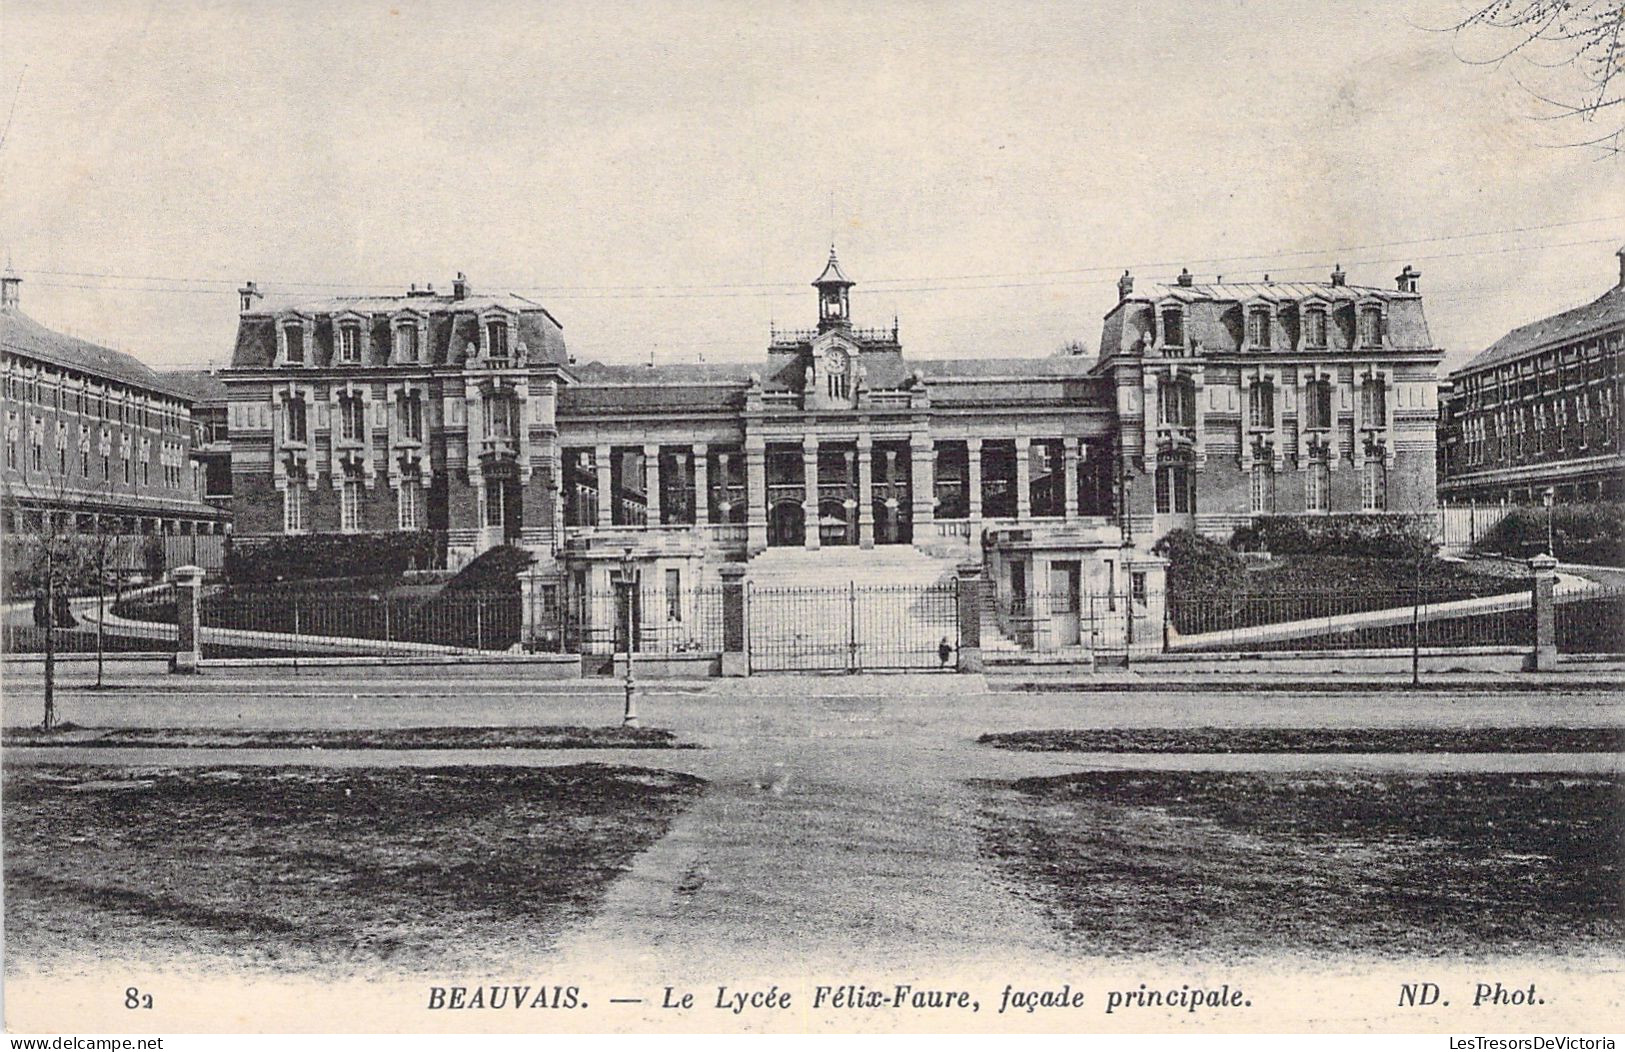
x: 1581, y: 533
x: 1198, y: 565
x: 265, y: 560
x: 1389, y: 536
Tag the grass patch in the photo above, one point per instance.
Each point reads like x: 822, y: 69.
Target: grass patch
x: 563, y: 737
x: 1315, y: 740
x: 1220, y: 865
x: 318, y: 869
x: 1441, y: 579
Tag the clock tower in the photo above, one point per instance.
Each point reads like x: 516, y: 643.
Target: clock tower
x: 834, y: 301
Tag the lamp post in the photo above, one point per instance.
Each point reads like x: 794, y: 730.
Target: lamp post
x: 629, y: 569
x: 1548, y: 498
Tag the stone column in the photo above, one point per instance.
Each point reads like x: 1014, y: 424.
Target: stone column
x: 1069, y: 458
x: 755, y: 495
x: 922, y: 483
x: 1543, y: 658
x: 651, y: 484
x: 606, y: 504
x: 866, y: 491
x: 735, y: 630
x: 809, y: 502
x: 973, y: 468
x: 532, y: 625
x: 969, y: 581
x: 188, y: 581
x: 702, y: 484
x: 1024, y: 478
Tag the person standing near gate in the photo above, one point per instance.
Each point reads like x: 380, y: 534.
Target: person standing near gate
x: 945, y: 651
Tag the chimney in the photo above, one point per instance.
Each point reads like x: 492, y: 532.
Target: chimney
x: 1125, y: 284
x: 11, y: 287
x: 459, y: 287
x: 1185, y: 279
x: 1339, y: 279
x: 1621, y: 255
x: 1406, y: 282
x: 247, y: 295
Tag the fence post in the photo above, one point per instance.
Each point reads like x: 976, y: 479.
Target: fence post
x: 969, y: 577
x: 1543, y: 658
x: 188, y: 582
x: 735, y: 659
x: 530, y: 591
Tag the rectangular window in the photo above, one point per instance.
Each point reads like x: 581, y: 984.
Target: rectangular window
x: 293, y: 507
x: 1258, y: 327
x: 674, y: 595
x: 1371, y: 326
x: 1374, y: 486
x: 295, y: 411
x: 1136, y: 584
x: 1373, y: 403
x: 350, y: 507
x: 411, y: 506
x: 1174, y: 494
x: 1318, y: 410
x: 1263, y: 490
x: 1176, y: 404
x: 294, y: 338
x: 350, y: 344
x: 353, y: 419
x: 1173, y: 328
x: 412, y: 418
x: 406, y: 343
x: 1318, y: 497
x: 84, y: 463
x: 1261, y: 406
x: 496, y: 339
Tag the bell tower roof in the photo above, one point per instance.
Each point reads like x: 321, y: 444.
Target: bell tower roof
x: 832, y: 275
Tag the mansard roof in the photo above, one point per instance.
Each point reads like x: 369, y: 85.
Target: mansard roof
x: 20, y: 334
x: 1269, y: 291
x: 1604, y: 311
x: 453, y: 324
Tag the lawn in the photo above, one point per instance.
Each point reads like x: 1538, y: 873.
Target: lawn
x: 337, y: 871
x: 1440, y: 579
x: 554, y: 737
x: 1226, y: 866
x: 1315, y: 740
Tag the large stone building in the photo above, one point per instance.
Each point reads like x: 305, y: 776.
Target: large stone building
x: 462, y: 412
x: 92, y: 436
x: 1539, y: 410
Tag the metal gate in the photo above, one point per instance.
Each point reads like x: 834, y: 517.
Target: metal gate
x: 853, y: 628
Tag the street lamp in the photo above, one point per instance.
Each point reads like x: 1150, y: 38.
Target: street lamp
x: 1549, y: 498
x: 629, y: 569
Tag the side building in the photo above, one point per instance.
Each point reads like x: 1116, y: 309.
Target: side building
x: 1538, y: 410
x: 92, y: 436
x: 1235, y: 400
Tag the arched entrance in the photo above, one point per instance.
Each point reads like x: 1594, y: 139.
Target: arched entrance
x: 786, y: 524
x: 835, y: 524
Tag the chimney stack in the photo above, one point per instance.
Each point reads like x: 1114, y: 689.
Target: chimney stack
x: 1621, y: 255
x: 1125, y: 284
x: 11, y: 287
x: 247, y: 295
x: 1185, y: 279
x: 459, y: 287
x: 1406, y: 281
x: 1339, y: 279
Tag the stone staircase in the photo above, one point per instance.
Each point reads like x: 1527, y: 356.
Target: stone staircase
x: 837, y: 567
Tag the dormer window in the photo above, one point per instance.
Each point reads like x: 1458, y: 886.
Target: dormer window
x: 1314, y: 327
x: 1258, y: 327
x: 293, y: 341
x: 406, y: 342
x: 1173, y: 327
x: 1371, y: 326
x: 349, y: 343
x: 496, y: 339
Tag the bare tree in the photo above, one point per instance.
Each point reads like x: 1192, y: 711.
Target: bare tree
x: 53, y: 559
x: 1567, y: 54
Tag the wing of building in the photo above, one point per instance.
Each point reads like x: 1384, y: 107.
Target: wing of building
x: 93, y: 434
x: 1538, y: 410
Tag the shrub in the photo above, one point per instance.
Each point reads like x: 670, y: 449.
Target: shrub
x: 494, y: 571
x: 1198, y: 565
x: 1580, y: 533
x: 1392, y: 536
x: 264, y: 560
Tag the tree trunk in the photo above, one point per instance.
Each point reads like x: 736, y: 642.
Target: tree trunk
x: 50, y: 639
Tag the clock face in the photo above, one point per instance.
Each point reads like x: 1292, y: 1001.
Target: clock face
x: 835, y: 360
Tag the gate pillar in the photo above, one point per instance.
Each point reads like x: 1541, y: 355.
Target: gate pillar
x: 735, y: 657
x: 968, y: 577
x: 188, y: 606
x: 1543, y: 657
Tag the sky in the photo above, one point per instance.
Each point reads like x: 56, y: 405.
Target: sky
x: 667, y: 177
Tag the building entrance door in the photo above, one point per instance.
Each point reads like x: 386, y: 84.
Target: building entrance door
x: 786, y: 525
x: 1063, y: 603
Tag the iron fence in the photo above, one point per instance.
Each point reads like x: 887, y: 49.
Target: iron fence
x: 1590, y: 619
x: 663, y: 623
x: 853, y: 628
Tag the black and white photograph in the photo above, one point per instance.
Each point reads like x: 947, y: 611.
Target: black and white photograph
x: 722, y: 517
